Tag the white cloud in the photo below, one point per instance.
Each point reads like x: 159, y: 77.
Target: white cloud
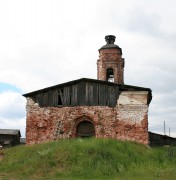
x: 12, y: 105
x: 12, y: 111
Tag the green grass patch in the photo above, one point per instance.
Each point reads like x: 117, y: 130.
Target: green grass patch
x: 88, y: 159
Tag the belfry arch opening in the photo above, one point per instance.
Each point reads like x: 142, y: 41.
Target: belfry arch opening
x: 110, y: 75
x: 85, y: 129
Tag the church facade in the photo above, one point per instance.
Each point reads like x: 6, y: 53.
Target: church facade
x: 104, y: 107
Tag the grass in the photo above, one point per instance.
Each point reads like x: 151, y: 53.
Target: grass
x: 88, y: 159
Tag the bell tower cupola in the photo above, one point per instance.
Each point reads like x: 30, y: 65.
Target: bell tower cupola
x: 110, y: 65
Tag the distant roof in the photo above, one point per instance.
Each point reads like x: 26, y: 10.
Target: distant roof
x: 166, y: 136
x: 10, y: 131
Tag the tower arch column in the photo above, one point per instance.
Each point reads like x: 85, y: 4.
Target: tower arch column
x: 110, y: 57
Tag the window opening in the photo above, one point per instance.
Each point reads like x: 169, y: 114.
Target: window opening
x: 59, y: 100
x: 110, y: 75
x: 60, y: 97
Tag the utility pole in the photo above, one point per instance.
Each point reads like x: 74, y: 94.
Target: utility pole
x: 164, y: 129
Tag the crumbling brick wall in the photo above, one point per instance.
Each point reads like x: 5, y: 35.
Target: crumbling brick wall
x: 127, y: 121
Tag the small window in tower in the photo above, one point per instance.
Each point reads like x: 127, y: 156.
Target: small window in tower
x: 110, y: 75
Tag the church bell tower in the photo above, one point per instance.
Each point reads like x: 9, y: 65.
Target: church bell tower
x: 110, y: 65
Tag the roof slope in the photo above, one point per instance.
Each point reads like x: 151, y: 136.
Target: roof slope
x: 10, y: 131
x: 122, y: 87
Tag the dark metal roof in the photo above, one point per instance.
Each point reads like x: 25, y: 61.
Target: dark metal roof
x: 161, y: 135
x: 122, y: 87
x: 110, y: 39
x: 10, y: 132
x: 107, y: 46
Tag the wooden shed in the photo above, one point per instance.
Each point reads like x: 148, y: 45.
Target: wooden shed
x: 161, y: 140
x: 9, y: 137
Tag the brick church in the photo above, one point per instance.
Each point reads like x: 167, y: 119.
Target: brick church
x: 104, y: 107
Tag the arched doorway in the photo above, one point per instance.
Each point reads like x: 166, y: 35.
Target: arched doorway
x: 85, y: 129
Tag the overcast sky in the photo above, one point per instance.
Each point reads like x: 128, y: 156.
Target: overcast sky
x: 48, y: 42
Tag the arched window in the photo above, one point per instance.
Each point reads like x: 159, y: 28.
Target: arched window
x: 110, y: 75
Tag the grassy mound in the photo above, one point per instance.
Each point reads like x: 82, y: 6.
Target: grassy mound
x: 88, y: 159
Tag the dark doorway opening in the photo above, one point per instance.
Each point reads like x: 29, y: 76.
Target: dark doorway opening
x: 85, y: 129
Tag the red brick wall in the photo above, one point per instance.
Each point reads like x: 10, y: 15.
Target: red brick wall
x: 110, y: 58
x: 127, y: 121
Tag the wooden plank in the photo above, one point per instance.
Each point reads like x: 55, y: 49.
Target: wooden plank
x: 42, y: 99
x: 108, y: 94
x: 67, y: 96
x: 38, y: 99
x: 115, y: 97
x: 102, y: 95
x: 70, y: 94
x: 64, y: 96
x: 74, y: 99
x: 81, y: 94
x: 64, y: 100
x: 87, y: 93
x: 112, y: 96
x: 90, y: 94
x: 45, y: 98
x: 50, y: 98
x: 94, y: 101
x: 55, y: 98
x: 61, y: 96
